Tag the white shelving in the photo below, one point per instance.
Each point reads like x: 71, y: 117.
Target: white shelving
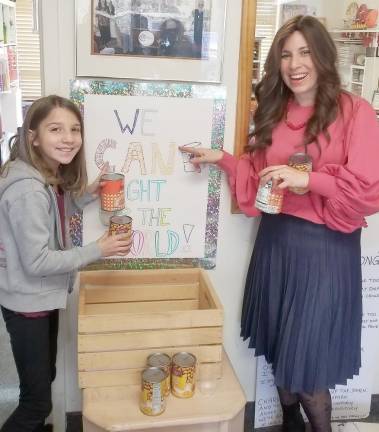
x: 361, y: 79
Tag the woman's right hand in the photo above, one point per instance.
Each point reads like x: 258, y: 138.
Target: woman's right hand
x: 118, y: 244
x: 201, y: 155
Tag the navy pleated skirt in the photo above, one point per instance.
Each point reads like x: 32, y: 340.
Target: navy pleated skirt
x: 302, y: 305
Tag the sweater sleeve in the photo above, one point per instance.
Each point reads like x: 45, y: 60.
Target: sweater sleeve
x: 351, y: 191
x: 243, y: 181
x: 32, y: 238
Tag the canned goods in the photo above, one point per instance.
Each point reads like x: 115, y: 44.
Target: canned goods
x: 183, y: 375
x: 112, y: 192
x: 301, y: 162
x: 120, y: 225
x: 162, y: 361
x: 269, y: 198
x: 153, y: 401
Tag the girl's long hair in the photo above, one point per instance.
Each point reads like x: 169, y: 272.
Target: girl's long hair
x: 71, y: 177
x: 273, y: 95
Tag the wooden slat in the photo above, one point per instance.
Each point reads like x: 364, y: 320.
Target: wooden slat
x: 81, y: 302
x: 125, y: 377
x: 156, y: 306
x: 207, y: 295
x: 113, y: 293
x: 137, y: 358
x: 126, y: 277
x: 149, y: 339
x: 150, y: 321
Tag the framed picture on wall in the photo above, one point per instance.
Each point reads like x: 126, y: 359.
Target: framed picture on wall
x: 179, y: 40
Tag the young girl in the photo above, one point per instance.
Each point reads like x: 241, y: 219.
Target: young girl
x: 41, y: 186
x: 302, y: 307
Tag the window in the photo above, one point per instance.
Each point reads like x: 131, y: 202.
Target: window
x: 28, y: 49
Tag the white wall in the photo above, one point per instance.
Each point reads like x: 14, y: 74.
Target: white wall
x: 236, y: 232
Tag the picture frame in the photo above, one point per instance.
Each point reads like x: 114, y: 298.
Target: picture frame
x: 146, y: 40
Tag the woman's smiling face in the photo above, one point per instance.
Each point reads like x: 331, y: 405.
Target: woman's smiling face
x: 298, y: 70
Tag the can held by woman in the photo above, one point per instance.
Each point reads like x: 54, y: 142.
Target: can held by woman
x: 301, y: 162
x: 269, y: 198
x: 153, y: 400
x: 162, y: 361
x: 120, y: 225
x: 183, y: 375
x: 112, y: 195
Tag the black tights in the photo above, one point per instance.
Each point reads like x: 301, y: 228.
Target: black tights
x: 317, y: 407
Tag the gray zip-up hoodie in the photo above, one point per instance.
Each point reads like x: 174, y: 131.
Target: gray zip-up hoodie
x: 36, y: 271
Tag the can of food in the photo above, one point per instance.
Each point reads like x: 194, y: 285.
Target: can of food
x: 162, y: 361
x: 183, y: 375
x: 153, y: 401
x: 120, y: 225
x: 301, y: 162
x: 269, y: 198
x: 112, y: 195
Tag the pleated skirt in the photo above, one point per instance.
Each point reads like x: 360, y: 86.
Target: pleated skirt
x: 302, y: 306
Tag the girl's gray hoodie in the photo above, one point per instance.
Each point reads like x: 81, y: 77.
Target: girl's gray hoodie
x: 36, y: 271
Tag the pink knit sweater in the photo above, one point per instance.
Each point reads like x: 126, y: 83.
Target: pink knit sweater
x: 344, y: 184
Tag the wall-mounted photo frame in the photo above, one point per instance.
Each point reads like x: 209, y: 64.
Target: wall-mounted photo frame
x: 173, y: 40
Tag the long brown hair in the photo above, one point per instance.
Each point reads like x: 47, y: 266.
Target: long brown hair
x: 273, y: 95
x: 71, y: 177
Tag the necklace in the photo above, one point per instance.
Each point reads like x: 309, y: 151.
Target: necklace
x: 292, y: 126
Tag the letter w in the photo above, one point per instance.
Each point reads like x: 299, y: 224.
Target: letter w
x: 127, y: 127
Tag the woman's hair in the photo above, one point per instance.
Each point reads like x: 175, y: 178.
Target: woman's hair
x: 273, y: 95
x: 71, y: 177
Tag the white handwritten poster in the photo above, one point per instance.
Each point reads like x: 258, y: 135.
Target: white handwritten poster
x: 138, y: 135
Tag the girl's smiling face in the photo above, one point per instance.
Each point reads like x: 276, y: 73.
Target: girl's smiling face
x: 58, y: 137
x: 298, y: 70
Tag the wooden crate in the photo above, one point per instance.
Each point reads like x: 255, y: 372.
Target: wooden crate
x: 126, y: 315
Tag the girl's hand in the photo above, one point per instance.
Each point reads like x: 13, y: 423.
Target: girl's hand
x: 94, y: 187
x: 284, y: 176
x: 201, y: 155
x: 111, y: 245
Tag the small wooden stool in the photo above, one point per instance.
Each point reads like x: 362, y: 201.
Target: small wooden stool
x: 117, y: 409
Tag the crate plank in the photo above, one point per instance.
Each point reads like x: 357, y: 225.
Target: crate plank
x: 143, y: 292
x: 153, y: 320
x: 208, y: 298
x: 137, y: 358
x: 127, y: 307
x: 148, y: 339
x: 124, y: 377
x: 126, y: 277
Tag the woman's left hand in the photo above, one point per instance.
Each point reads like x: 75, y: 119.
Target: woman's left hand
x: 284, y: 176
x: 94, y: 187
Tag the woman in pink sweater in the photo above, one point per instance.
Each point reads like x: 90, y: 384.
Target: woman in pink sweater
x: 302, y: 306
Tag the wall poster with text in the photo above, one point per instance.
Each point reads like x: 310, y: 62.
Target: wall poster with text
x: 136, y: 128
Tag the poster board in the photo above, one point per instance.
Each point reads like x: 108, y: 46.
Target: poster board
x: 137, y: 128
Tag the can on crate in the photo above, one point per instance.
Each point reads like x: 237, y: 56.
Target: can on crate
x: 153, y: 400
x: 183, y: 375
x: 162, y: 361
x: 112, y: 192
x: 269, y: 198
x: 120, y: 225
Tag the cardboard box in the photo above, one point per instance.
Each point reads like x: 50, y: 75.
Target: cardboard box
x: 126, y: 315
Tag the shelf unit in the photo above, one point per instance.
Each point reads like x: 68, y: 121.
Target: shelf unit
x: 10, y: 93
x: 360, y: 79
